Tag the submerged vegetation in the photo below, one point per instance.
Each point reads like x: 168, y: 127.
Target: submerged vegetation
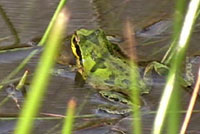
x: 169, y: 107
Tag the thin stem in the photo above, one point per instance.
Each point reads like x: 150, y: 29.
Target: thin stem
x: 46, y: 34
x: 191, y: 105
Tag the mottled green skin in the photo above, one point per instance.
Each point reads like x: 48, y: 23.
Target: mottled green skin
x: 100, y: 67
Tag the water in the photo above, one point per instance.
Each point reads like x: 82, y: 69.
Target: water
x: 30, y: 18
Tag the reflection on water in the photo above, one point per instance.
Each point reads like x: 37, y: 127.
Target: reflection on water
x: 27, y: 18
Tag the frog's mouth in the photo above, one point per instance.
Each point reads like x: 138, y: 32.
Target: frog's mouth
x: 76, y: 50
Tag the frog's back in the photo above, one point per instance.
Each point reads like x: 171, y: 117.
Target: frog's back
x: 114, y: 74
x: 101, y: 66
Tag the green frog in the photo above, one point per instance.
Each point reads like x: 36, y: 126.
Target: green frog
x: 102, y: 68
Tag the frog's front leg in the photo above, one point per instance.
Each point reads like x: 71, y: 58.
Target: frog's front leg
x: 162, y: 70
x: 156, y: 67
x: 79, y: 79
x: 159, y: 68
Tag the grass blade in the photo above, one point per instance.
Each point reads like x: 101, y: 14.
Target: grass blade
x: 40, y: 79
x: 43, y: 40
x: 48, y: 30
x: 16, y: 70
x: 176, y: 62
x: 191, y: 105
x: 134, y: 75
x: 67, y: 128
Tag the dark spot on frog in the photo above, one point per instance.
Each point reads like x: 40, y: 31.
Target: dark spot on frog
x: 125, y: 81
x: 99, y: 64
x: 97, y: 32
x: 92, y: 38
x: 118, y: 66
x: 112, y: 77
x: 124, y: 102
x: 110, y: 80
x: 127, y: 74
x: 114, y: 99
x: 96, y: 57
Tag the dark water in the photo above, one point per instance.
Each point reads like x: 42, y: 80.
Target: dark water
x: 152, y: 25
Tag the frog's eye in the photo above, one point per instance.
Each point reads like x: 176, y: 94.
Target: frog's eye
x: 76, y: 49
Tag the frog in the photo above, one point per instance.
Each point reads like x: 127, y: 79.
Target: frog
x: 102, y: 68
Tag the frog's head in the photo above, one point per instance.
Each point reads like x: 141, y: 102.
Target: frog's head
x: 87, y: 46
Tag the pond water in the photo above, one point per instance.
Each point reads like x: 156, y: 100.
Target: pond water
x: 153, y: 27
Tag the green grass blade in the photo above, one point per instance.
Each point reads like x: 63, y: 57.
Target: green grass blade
x: 22, y: 81
x: 16, y: 70
x: 40, y: 79
x: 43, y: 40
x: 176, y: 64
x: 46, y: 34
x: 134, y: 77
x: 67, y: 128
x: 191, y: 105
x: 178, y: 21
